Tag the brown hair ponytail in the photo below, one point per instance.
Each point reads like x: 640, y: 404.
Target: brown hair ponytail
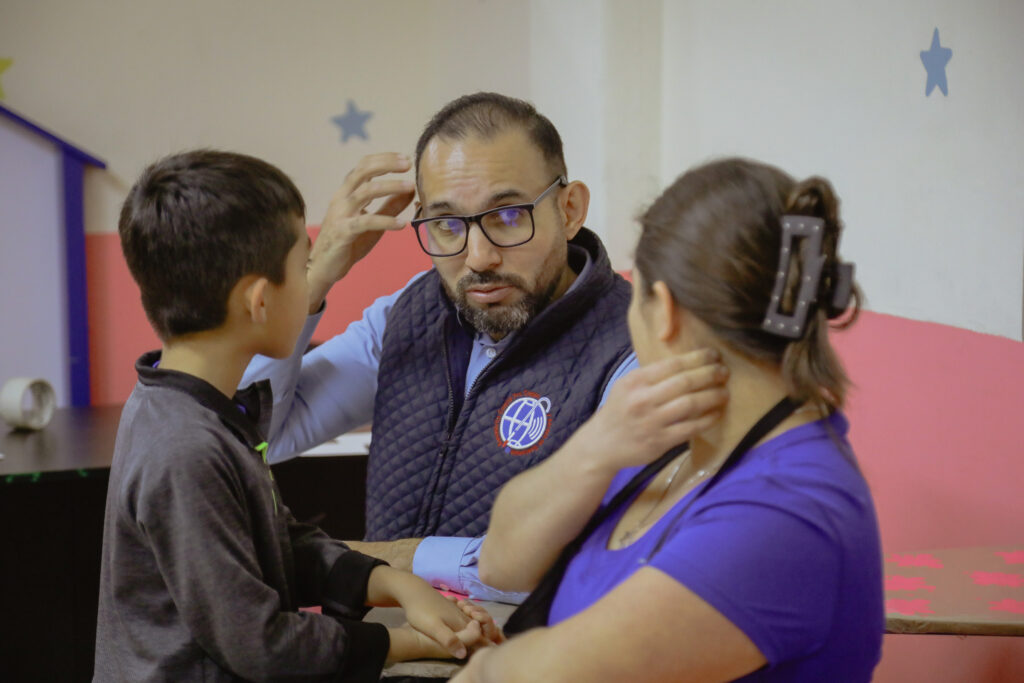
x: 714, y: 238
x: 810, y: 366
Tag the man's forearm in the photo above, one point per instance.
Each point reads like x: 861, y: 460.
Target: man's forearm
x: 398, y: 553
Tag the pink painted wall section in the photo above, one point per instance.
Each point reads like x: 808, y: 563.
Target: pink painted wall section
x: 119, y: 332
x: 936, y: 423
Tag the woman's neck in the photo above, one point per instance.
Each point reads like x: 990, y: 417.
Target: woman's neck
x: 753, y: 390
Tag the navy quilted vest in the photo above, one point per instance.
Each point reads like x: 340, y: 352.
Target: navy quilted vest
x: 437, y: 460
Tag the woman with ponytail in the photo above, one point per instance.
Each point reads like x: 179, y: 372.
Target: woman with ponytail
x: 742, y: 545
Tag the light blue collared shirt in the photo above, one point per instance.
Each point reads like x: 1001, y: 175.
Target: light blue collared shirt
x: 330, y: 391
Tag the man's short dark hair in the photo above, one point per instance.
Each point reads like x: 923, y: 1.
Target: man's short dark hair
x: 195, y: 223
x: 487, y: 114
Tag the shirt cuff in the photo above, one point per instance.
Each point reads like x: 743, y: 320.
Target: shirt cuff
x: 438, y: 561
x: 451, y: 563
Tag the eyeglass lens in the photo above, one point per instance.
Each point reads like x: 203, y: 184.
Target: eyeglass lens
x: 505, y: 227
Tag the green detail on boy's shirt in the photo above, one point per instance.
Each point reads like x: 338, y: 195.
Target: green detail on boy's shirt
x: 261, y: 448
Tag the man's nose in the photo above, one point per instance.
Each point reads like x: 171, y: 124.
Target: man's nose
x: 481, y: 255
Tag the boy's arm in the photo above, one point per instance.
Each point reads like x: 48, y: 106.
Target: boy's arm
x: 199, y: 531
x: 330, y: 574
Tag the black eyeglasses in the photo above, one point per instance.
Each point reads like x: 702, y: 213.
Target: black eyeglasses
x: 505, y: 226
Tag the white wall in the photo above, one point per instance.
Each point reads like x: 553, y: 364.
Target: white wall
x: 640, y: 90
x: 931, y: 186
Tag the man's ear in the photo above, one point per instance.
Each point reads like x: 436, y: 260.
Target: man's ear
x: 574, y: 200
x: 668, y: 318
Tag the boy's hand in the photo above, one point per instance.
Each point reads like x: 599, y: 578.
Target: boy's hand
x: 442, y: 620
x: 348, y: 232
x: 491, y: 633
x: 408, y: 643
x: 426, y: 610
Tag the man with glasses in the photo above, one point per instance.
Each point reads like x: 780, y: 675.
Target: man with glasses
x: 478, y: 368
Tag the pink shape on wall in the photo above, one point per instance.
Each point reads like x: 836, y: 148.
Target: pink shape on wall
x: 906, y: 583
x: 1016, y: 557
x: 911, y: 560
x: 934, y: 421
x: 1007, y: 605
x: 997, y: 579
x: 919, y: 606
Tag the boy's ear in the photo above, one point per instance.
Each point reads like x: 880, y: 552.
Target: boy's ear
x: 254, y: 299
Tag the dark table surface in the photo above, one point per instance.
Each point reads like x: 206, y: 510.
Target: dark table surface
x: 76, y: 440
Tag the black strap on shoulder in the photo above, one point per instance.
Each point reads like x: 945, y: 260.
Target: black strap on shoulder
x: 535, y: 609
x: 769, y: 421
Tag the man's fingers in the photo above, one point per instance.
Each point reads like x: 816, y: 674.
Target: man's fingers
x: 371, y: 222
x: 372, y: 166
x: 396, y: 203
x: 362, y: 195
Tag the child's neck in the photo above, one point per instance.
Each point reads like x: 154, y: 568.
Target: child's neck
x: 207, y: 357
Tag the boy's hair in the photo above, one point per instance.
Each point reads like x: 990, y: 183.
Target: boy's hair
x: 195, y: 223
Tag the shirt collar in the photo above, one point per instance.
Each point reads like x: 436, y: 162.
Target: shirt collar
x: 247, y: 413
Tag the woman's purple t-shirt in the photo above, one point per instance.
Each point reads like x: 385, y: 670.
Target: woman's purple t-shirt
x: 785, y: 546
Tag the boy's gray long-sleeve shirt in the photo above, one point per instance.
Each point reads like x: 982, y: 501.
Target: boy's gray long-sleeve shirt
x: 203, y: 567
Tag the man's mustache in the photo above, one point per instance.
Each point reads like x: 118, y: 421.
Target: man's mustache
x: 489, y: 278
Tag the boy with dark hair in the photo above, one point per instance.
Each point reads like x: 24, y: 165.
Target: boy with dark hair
x: 204, y: 568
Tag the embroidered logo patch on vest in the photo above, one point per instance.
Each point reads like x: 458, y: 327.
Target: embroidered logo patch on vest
x: 522, y: 423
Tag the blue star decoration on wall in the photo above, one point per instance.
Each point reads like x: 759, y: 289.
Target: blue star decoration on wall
x: 935, y: 61
x: 352, y: 122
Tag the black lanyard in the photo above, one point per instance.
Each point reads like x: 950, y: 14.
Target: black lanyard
x: 769, y: 421
x: 534, y: 610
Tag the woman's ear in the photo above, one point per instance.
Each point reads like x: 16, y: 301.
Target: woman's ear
x: 574, y: 200
x: 667, y: 317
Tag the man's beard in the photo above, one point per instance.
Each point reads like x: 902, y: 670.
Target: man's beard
x: 498, y: 320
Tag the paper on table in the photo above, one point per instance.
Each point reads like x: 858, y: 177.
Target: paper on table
x: 353, y: 443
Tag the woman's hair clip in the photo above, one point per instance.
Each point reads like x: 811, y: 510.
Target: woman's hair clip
x: 810, y: 230
x: 842, y: 289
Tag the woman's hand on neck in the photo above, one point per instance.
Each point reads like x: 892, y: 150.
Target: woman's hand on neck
x: 754, y: 388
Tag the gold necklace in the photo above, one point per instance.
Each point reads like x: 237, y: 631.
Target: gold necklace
x: 630, y: 535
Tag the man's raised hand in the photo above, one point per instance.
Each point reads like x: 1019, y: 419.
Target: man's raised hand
x: 348, y: 231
